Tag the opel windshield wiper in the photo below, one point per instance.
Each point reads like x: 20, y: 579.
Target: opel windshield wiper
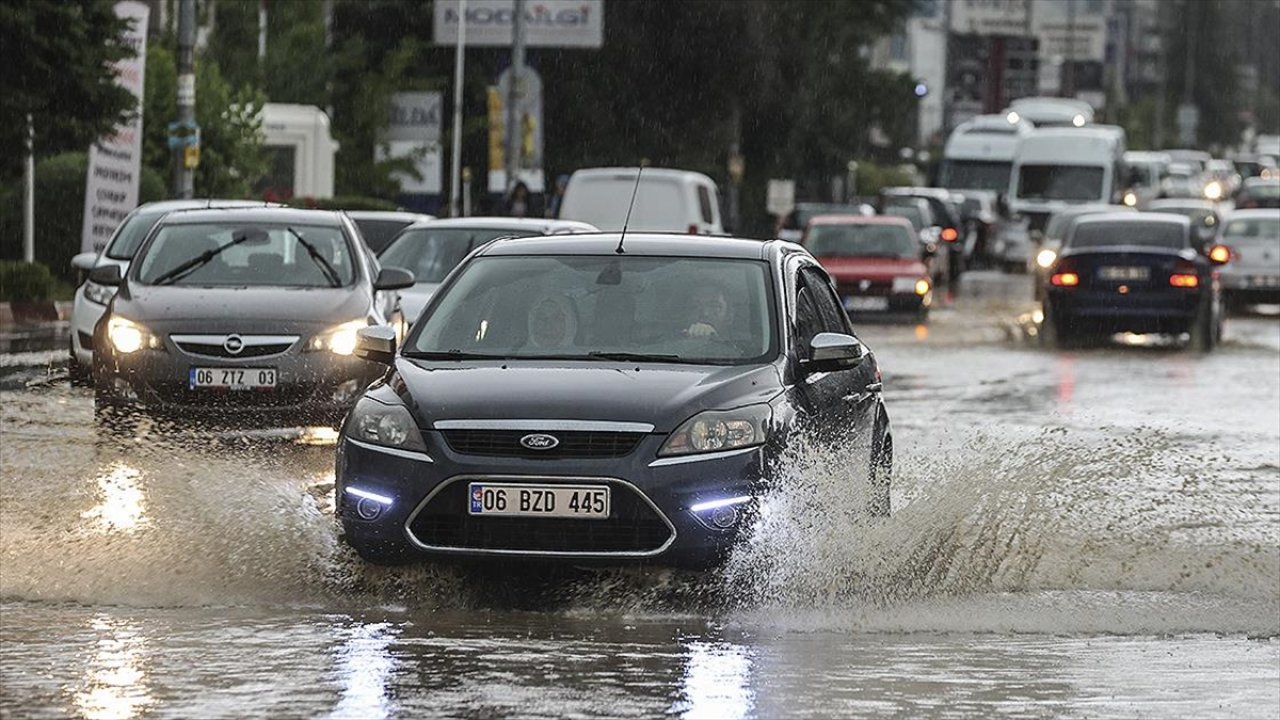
x: 634, y: 357
x: 203, y: 258
x: 330, y: 274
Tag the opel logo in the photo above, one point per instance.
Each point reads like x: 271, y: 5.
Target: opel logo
x: 233, y: 344
x: 539, y: 441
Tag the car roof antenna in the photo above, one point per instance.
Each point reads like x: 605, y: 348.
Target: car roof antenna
x: 627, y: 221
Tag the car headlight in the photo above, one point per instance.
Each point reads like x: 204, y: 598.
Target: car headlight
x: 717, y: 430
x: 339, y: 340
x: 1046, y: 258
x: 100, y: 294
x: 127, y: 336
x: 1131, y: 199
x: 381, y: 424
x: 1213, y: 191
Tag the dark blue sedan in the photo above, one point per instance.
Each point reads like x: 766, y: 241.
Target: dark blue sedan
x: 1138, y: 273
x: 582, y: 399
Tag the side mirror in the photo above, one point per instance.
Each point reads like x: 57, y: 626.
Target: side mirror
x: 833, y: 351
x: 108, y: 275
x: 84, y: 261
x: 393, y: 278
x: 376, y: 344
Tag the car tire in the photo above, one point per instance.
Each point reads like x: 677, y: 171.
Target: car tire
x: 1204, y: 333
x: 880, y: 477
x: 1051, y: 330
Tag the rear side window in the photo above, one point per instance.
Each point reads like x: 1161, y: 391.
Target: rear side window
x: 1258, y: 227
x: 704, y: 203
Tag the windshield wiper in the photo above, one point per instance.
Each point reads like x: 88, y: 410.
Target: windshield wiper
x: 330, y: 274
x: 196, y: 262
x: 636, y: 357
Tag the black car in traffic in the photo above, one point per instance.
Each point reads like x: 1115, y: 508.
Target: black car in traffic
x: 241, y: 315
x: 1136, y: 273
x: 589, y: 399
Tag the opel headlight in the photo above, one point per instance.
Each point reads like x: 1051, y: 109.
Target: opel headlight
x: 716, y: 430
x: 100, y: 294
x: 1046, y: 258
x: 381, y: 424
x: 340, y: 340
x: 127, y: 336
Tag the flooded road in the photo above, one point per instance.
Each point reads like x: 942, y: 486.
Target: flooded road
x: 1089, y: 533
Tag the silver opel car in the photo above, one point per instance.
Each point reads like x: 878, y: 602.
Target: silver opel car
x: 239, y: 315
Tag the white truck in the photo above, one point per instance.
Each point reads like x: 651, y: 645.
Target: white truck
x: 979, y: 153
x: 301, y: 151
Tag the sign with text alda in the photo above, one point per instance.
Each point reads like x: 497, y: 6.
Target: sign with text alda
x: 413, y: 132
x: 547, y: 23
x: 115, y: 161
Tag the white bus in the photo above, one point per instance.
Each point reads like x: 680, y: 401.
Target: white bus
x: 979, y: 153
x: 1053, y: 111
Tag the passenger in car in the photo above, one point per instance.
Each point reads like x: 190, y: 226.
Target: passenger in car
x: 553, y: 323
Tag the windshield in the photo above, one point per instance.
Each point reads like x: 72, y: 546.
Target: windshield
x: 1261, y: 190
x: 975, y: 175
x: 912, y: 214
x: 696, y: 310
x: 378, y: 234
x: 431, y: 253
x: 1254, y: 228
x: 887, y: 241
x: 1114, y: 234
x: 1060, y: 182
x: 125, y: 244
x: 247, y: 254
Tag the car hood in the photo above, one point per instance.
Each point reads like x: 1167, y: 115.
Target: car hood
x: 240, y: 309
x: 846, y: 268
x: 663, y: 395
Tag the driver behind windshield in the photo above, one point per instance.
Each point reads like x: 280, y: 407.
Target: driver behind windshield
x: 709, y: 312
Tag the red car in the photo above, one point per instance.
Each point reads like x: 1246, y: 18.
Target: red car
x: 875, y: 262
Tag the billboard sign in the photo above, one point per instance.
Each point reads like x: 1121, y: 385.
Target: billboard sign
x: 547, y: 23
x: 528, y: 125
x: 413, y: 131
x: 989, y: 17
x: 115, y: 161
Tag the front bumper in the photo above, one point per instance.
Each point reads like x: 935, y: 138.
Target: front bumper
x: 84, y: 318
x: 650, y: 520
x: 312, y: 387
x: 1251, y: 287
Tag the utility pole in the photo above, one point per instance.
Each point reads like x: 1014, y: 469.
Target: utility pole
x: 29, y: 195
x: 328, y: 51
x: 183, y: 177
x: 1069, y: 83
x: 514, y: 92
x: 1157, y: 131
x: 262, y: 33
x: 455, y: 164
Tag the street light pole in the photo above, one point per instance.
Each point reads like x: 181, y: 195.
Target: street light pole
x: 29, y: 196
x: 514, y: 93
x: 183, y: 179
x: 456, y: 155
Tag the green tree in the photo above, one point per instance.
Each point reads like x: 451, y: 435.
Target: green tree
x: 57, y: 65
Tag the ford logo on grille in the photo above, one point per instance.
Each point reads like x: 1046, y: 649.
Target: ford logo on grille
x: 539, y: 441
x: 233, y: 344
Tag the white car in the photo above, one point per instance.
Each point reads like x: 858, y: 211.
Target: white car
x: 1252, y: 275
x: 379, y: 227
x: 430, y: 250
x: 91, y: 298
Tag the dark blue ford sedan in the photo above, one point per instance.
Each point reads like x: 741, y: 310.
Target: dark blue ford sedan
x: 593, y: 400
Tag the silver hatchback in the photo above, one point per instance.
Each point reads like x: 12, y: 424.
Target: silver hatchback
x: 1252, y: 275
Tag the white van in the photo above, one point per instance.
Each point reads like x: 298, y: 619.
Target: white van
x: 979, y: 153
x: 1053, y: 111
x: 1061, y: 166
x: 300, y: 151
x: 669, y: 201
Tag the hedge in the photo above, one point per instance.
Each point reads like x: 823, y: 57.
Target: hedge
x: 59, y: 208
x: 24, y: 282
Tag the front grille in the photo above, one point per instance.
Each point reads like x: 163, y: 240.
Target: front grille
x: 573, y: 444
x: 208, y: 398
x: 632, y: 527
x: 216, y: 350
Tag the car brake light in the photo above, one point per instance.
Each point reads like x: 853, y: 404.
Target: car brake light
x: 1184, y: 280
x: 950, y: 234
x: 1066, y: 279
x: 693, y: 229
x: 1220, y: 254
